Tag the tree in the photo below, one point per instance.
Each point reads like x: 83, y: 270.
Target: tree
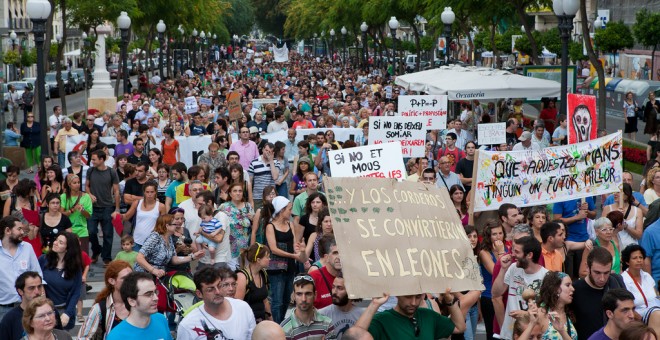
x: 575, y: 52
x: 240, y: 17
x: 551, y: 40
x: 524, y: 45
x: 28, y: 57
x: 11, y: 57
x: 272, y: 15
x: 615, y: 37
x: 647, y: 32
x: 593, y: 59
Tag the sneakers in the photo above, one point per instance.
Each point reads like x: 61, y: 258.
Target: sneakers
x: 80, y: 318
x: 95, y: 258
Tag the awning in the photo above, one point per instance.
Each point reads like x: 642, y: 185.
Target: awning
x: 73, y: 53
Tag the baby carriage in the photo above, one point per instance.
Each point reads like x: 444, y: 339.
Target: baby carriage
x: 177, y: 293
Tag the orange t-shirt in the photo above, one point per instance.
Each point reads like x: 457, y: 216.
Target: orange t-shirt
x: 169, y: 152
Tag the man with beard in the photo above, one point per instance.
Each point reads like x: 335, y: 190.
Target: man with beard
x: 525, y: 273
x: 305, y: 321
x: 342, y: 311
x: 219, y: 317
x: 18, y: 257
x: 587, y: 306
x: 326, y: 274
x: 140, y: 297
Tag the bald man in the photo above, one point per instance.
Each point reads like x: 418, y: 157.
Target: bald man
x: 268, y: 330
x: 355, y: 333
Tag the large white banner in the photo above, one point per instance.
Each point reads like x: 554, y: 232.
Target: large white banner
x: 556, y: 174
x: 281, y: 55
x: 432, y: 106
x: 341, y: 134
x: 410, y: 131
x: 381, y: 161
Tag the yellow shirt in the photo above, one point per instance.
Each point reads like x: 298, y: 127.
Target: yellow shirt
x: 61, y: 137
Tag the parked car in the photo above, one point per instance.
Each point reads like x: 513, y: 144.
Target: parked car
x: 78, y: 79
x: 33, y: 81
x: 51, y: 80
x: 411, y: 63
x: 113, y: 69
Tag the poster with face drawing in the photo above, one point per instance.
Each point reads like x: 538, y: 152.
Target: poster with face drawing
x: 582, y: 118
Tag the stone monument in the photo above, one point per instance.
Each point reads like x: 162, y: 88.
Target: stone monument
x: 102, y: 95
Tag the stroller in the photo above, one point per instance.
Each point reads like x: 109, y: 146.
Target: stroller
x: 177, y: 293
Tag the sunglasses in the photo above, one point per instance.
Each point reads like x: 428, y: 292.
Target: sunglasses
x: 303, y: 278
x: 413, y: 321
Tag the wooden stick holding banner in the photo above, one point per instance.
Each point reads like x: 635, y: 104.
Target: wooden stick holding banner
x: 474, y: 186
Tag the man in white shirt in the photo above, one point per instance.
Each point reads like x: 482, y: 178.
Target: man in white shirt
x: 525, y: 143
x: 462, y: 136
x: 55, y: 122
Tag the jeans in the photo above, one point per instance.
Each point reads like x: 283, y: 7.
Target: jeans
x: 471, y: 323
x: 61, y: 159
x: 281, y: 288
x: 101, y: 215
x: 283, y: 190
x: 488, y: 314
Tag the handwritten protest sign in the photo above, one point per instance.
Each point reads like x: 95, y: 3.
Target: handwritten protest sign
x: 190, y: 105
x: 411, y: 131
x: 401, y: 238
x: 582, y: 118
x: 234, y: 105
x: 382, y: 161
x: 555, y: 174
x: 434, y: 106
x: 260, y: 103
x: 205, y: 101
x: 491, y: 134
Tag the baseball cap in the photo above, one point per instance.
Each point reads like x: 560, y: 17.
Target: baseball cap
x: 253, y: 129
x: 525, y: 136
x: 304, y: 159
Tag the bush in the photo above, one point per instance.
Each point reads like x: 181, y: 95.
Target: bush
x: 634, y: 155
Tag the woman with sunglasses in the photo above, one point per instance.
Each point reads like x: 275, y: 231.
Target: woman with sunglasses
x: 604, y: 238
x: 252, y: 280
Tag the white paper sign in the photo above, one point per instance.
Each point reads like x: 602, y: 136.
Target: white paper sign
x: 434, y: 106
x: 190, y: 105
x: 382, y: 161
x: 205, y: 101
x: 258, y: 103
x: 388, y: 92
x: 411, y: 131
x: 491, y: 134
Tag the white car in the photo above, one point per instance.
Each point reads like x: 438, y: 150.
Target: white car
x: 33, y: 81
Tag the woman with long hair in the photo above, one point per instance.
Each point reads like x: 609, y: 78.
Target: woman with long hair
x: 630, y: 109
x: 77, y: 206
x: 120, y: 165
x: 146, y: 211
x: 262, y: 216
x: 633, y: 219
x: 641, y: 284
x: 62, y: 268
x: 171, y: 152
x: 164, y: 180
x: 472, y: 316
x: 240, y: 215
x: 39, y: 321
x: 237, y: 176
x: 652, y: 184
x: 555, y: 295
x: 492, y: 248
x: 323, y: 227
x: 308, y: 222
x: 108, y: 309
x: 298, y: 185
x: 536, y: 217
x: 40, y: 176
x: 90, y: 145
x: 284, y: 254
x: 252, y: 280
x: 24, y: 197
x: 53, y: 222
x: 54, y: 182
x: 31, y: 142
x: 155, y: 159
x: 459, y: 198
x: 604, y: 238
x: 280, y: 184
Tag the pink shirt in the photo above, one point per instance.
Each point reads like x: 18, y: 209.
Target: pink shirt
x: 247, y: 152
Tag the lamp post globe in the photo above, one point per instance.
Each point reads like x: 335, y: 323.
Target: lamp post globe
x: 394, y: 25
x: 565, y: 11
x: 124, y: 23
x: 160, y: 27
x: 343, y: 36
x: 39, y: 11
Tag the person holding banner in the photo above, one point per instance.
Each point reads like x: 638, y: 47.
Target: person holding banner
x: 632, y: 214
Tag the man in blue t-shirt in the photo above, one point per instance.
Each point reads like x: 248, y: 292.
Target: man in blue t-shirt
x: 573, y: 214
x: 141, y: 299
x: 650, y: 241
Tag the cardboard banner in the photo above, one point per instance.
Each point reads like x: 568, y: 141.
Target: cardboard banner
x: 582, y: 118
x: 555, y: 174
x: 341, y: 134
x: 491, y: 134
x: 400, y: 238
x: 281, y: 55
x: 434, y: 106
x: 411, y: 131
x: 190, y: 147
x: 190, y: 105
x: 381, y: 161
x: 234, y: 105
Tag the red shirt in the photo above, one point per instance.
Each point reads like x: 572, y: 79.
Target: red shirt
x: 453, y: 155
x: 323, y: 281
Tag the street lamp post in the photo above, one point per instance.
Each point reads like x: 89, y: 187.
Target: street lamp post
x: 13, y: 37
x: 394, y: 25
x: 215, y: 47
x: 343, y: 36
x: 314, y: 47
x: 124, y: 23
x: 194, y: 48
x: 38, y: 11
x: 202, y: 36
x: 332, y: 44
x: 160, y: 27
x: 447, y: 18
x: 86, y: 66
x: 565, y: 11
x: 364, y: 27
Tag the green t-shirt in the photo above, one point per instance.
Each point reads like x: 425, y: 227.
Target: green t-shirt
x: 128, y: 257
x: 78, y: 221
x: 390, y: 324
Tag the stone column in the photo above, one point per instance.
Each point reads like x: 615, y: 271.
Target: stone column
x: 102, y: 95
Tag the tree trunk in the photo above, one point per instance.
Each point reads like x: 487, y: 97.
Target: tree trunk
x: 119, y: 70
x: 520, y: 11
x: 653, y: 60
x: 60, y: 57
x: 602, y: 100
x: 417, y: 47
x: 492, y: 42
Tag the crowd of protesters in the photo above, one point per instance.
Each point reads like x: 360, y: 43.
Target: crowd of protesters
x: 249, y: 222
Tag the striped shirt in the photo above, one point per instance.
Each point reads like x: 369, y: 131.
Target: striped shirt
x: 319, y: 328
x: 261, y: 176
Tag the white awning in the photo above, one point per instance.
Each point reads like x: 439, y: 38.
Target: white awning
x: 73, y: 53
